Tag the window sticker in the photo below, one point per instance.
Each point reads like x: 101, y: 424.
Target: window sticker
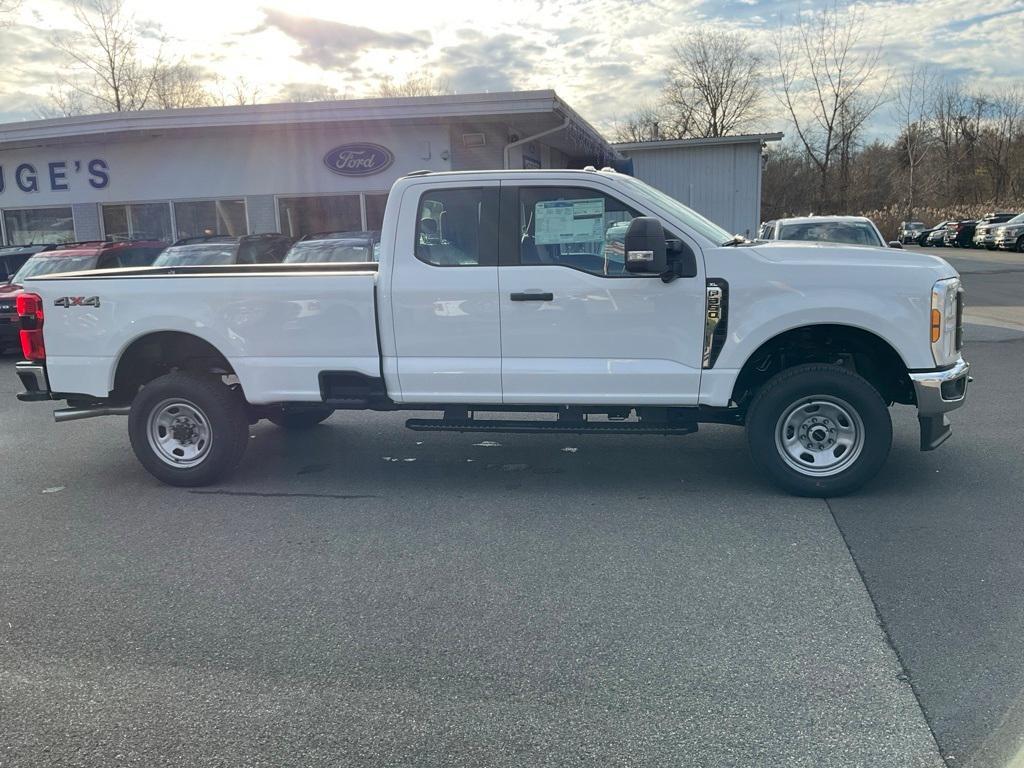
x: 569, y: 221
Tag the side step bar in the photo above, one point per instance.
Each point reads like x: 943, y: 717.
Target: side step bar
x: 576, y: 427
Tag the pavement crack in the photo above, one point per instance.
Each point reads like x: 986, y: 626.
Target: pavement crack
x: 904, y: 676
x: 267, y: 495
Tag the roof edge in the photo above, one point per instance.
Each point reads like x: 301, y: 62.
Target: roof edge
x: 745, y: 138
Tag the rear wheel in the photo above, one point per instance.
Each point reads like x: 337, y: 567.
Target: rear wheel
x: 819, y: 430
x: 188, y: 429
x: 304, y: 419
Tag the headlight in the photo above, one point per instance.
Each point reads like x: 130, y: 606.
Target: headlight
x: 944, y: 321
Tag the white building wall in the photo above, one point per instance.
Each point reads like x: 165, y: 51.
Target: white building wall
x: 231, y: 163
x: 720, y: 182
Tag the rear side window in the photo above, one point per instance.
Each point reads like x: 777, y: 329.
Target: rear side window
x: 269, y: 251
x: 458, y: 227
x: 138, y: 257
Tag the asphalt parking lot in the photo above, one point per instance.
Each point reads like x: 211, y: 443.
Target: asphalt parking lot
x: 365, y: 595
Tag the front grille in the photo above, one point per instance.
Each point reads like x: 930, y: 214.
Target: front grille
x: 959, y: 320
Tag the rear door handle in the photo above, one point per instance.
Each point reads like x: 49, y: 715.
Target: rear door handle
x: 532, y: 296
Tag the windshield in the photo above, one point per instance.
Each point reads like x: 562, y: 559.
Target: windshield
x: 48, y: 265
x: 914, y: 225
x: 1018, y: 219
x: 318, y: 251
x: 193, y: 255
x: 852, y: 232
x: 687, y: 216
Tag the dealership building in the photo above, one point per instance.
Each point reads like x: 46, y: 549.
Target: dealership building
x: 302, y: 168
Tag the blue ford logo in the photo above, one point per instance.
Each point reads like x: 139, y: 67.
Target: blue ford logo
x: 360, y: 159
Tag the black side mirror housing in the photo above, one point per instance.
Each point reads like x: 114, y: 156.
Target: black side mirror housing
x: 895, y: 244
x: 646, y: 251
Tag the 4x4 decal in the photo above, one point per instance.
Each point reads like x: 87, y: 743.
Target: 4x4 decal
x: 77, y: 301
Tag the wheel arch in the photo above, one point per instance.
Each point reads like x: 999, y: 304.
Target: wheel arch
x: 155, y: 353
x: 863, y: 351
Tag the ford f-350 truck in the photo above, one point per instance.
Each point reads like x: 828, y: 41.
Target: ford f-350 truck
x: 585, y: 297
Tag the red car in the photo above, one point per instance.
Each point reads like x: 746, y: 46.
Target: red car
x: 70, y: 257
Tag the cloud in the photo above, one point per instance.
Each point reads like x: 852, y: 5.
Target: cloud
x: 329, y: 44
x: 501, y: 62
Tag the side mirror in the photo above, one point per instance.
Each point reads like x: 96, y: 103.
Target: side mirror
x: 645, y: 247
x: 895, y: 244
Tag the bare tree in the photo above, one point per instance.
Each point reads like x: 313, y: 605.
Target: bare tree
x: 110, y: 76
x: 999, y: 137
x: 7, y: 10
x: 827, y: 86
x: 425, y: 84
x: 914, y: 95
x: 650, y: 122
x: 716, y: 82
x: 180, y: 85
x: 309, y: 92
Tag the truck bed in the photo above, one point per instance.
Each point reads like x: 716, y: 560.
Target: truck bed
x: 279, y: 325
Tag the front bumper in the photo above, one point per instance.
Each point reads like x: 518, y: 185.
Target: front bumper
x: 938, y: 393
x: 33, y: 379
x: 1006, y: 241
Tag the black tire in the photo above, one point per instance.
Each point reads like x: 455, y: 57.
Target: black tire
x: 1020, y: 244
x: 207, y: 409
x: 795, y: 391
x: 304, y: 419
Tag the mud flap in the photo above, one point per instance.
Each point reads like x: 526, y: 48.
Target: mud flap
x: 935, y: 430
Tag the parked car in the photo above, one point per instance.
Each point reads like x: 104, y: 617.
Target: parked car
x: 985, y: 231
x: 852, y: 230
x: 486, y: 308
x: 934, y: 237
x: 767, y: 230
x: 336, y: 247
x: 960, y: 234
x: 1010, y: 235
x: 13, y: 256
x: 910, y: 230
x: 69, y: 257
x: 265, y: 248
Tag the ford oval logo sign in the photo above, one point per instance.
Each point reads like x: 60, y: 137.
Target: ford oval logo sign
x: 360, y: 159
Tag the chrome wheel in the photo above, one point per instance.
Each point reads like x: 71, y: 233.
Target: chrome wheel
x: 820, y: 436
x: 179, y: 433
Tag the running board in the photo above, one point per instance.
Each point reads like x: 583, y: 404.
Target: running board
x: 576, y: 427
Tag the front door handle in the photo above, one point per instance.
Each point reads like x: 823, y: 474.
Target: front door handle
x: 532, y: 296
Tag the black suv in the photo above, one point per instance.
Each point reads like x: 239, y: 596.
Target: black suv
x: 335, y: 247
x: 13, y: 256
x: 265, y: 248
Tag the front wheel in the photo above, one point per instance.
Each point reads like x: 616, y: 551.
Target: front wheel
x: 1020, y: 244
x: 819, y: 430
x: 188, y: 429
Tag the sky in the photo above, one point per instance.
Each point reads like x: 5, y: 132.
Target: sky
x: 604, y: 57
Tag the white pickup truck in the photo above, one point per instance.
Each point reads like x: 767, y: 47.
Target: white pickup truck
x: 587, y: 298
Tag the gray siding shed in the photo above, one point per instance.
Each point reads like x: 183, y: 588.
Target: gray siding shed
x: 719, y: 178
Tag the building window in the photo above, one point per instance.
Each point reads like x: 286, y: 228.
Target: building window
x: 138, y: 221
x: 210, y: 217
x: 375, y: 211
x: 325, y: 213
x: 39, y: 225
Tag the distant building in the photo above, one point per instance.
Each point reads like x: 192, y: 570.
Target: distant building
x: 719, y: 177
x: 301, y: 168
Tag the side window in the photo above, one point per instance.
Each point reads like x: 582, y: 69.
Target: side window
x: 458, y: 227
x: 573, y: 227
x: 108, y: 261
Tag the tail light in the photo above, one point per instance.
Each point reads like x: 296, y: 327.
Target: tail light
x: 30, y: 312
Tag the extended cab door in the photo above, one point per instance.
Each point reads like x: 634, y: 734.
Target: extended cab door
x: 444, y: 294
x: 576, y: 328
